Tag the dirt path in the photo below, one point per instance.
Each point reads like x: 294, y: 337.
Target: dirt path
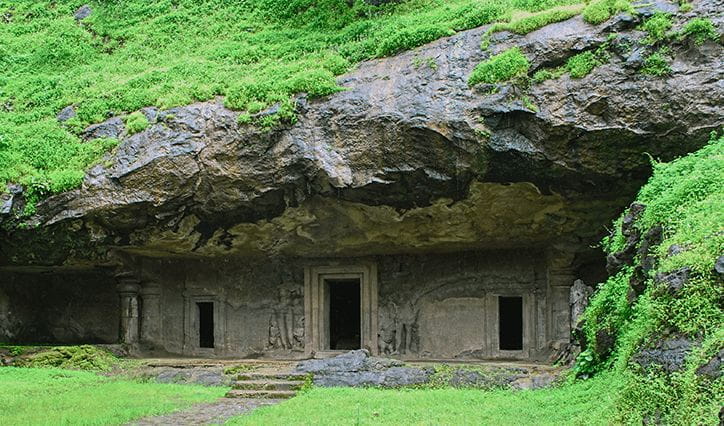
x: 216, y: 412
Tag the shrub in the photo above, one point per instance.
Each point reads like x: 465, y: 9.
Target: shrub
x: 657, y: 64
x: 580, y: 65
x: 501, y: 67
x: 136, y: 122
x: 598, y: 11
x: 83, y: 357
x: 656, y: 27
x: 700, y: 30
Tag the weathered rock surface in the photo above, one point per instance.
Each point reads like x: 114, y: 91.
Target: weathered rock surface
x: 669, y: 354
x: 408, y: 158
x: 358, y: 369
x: 713, y: 368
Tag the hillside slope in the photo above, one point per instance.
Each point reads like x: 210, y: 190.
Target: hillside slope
x: 659, y: 320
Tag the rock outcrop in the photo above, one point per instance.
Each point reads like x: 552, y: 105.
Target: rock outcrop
x: 407, y: 158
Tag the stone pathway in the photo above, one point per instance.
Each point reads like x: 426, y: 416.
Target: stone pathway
x: 217, y: 412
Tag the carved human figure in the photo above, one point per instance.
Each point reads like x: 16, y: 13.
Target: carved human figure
x: 299, y: 333
x: 285, y: 317
x: 288, y: 319
x: 275, y: 337
x: 405, y: 336
x: 388, y: 329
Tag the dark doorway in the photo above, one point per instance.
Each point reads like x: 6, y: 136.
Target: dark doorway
x: 344, y: 314
x: 510, y: 323
x: 206, y: 324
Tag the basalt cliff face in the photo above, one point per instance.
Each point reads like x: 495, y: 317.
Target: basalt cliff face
x: 408, y: 158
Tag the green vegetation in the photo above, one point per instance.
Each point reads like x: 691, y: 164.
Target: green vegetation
x: 578, y: 66
x: 685, y: 197
x: 548, y: 74
x: 598, y: 11
x: 83, y: 357
x: 136, y: 122
x: 53, y: 396
x: 129, y: 55
x: 656, y: 27
x: 685, y: 7
x: 501, y: 67
x: 525, y: 23
x: 656, y: 63
x: 590, y: 402
x: 700, y: 30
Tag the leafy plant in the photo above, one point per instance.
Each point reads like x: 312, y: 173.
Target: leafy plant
x: 656, y: 27
x: 656, y: 63
x: 548, y: 74
x: 136, y: 122
x: 501, y: 67
x: 700, y: 29
x: 580, y: 65
x: 599, y: 11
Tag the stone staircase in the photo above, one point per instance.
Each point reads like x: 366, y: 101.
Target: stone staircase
x: 266, y: 385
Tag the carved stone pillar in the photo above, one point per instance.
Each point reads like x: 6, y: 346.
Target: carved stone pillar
x: 151, y: 313
x: 560, y: 279
x: 128, y: 288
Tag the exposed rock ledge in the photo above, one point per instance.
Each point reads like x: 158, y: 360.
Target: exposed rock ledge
x: 408, y: 158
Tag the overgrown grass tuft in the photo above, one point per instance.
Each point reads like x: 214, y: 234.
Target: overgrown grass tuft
x: 501, y: 67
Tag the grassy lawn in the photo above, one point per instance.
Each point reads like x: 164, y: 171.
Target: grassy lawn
x: 584, y: 403
x: 55, y: 396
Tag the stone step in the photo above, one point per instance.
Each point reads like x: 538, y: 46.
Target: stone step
x: 294, y: 377
x: 281, y: 385
x: 260, y: 394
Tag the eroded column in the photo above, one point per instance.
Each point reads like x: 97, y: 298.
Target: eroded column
x: 151, y: 314
x: 128, y: 288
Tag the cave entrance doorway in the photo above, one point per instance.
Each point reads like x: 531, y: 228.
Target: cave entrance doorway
x: 510, y: 323
x: 343, y: 308
x: 206, y: 324
x: 340, y: 309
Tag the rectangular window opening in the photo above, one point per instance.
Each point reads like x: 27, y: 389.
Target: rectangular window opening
x: 206, y: 324
x: 510, y: 323
x: 344, y: 314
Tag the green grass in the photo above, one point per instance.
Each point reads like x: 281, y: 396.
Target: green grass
x: 584, y: 403
x: 501, y: 67
x: 53, y: 396
x: 166, y: 53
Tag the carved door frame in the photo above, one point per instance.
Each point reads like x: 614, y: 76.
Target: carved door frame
x: 191, y: 324
x: 316, y: 318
